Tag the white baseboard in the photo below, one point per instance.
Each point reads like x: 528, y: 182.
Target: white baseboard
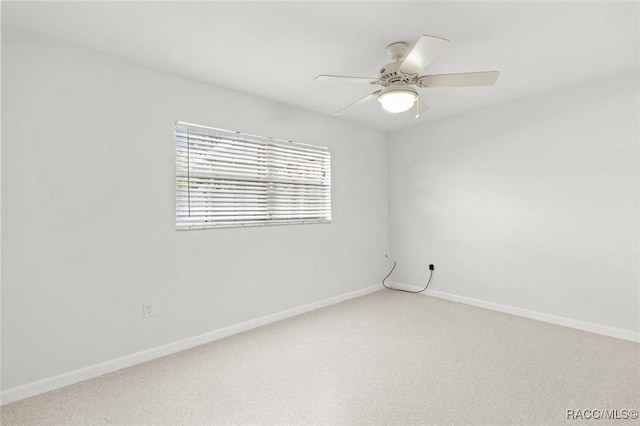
x: 65, y: 379
x: 618, y: 333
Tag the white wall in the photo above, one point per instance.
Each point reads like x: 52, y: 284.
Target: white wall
x: 89, y: 213
x: 531, y: 204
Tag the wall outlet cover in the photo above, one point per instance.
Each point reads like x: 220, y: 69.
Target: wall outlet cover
x: 147, y: 310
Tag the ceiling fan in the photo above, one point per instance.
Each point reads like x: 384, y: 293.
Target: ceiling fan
x: 399, y: 77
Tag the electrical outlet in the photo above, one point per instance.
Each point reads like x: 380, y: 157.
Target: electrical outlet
x: 147, y: 310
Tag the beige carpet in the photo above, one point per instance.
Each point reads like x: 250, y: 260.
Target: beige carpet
x: 385, y: 358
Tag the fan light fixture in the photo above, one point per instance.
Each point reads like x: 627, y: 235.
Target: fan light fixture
x: 398, y: 99
x: 400, y: 79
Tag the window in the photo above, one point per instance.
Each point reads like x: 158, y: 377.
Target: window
x: 226, y: 179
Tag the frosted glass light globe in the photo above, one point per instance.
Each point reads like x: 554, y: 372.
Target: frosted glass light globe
x: 399, y: 100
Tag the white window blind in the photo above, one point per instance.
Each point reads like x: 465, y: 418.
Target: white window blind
x: 226, y: 179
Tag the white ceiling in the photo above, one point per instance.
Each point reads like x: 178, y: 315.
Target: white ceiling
x: 274, y: 50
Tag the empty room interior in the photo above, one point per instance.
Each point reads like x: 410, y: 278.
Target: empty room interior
x: 320, y: 213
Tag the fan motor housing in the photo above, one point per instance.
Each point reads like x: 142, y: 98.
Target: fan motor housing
x: 390, y: 75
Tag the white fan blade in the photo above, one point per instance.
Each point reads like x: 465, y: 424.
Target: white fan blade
x: 422, y: 54
x: 367, y: 98
x: 420, y: 107
x: 346, y: 79
x: 483, y: 78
